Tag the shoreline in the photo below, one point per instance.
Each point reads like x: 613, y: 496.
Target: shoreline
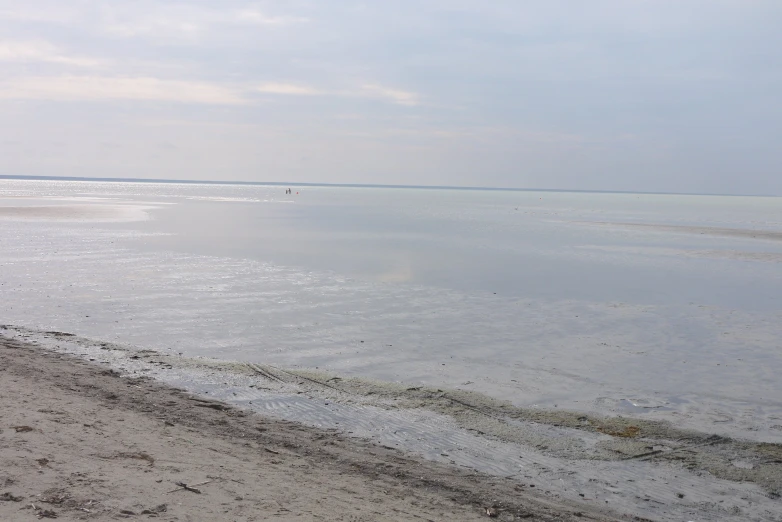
x: 637, y: 467
x: 81, y: 442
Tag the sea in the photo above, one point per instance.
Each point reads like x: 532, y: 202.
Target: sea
x: 653, y: 306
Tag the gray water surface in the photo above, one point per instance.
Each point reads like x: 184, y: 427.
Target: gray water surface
x: 586, y: 301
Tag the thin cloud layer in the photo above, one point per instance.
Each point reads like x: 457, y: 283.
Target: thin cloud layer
x: 41, y: 51
x: 191, y: 22
x: 397, y: 96
x: 93, y: 88
x: 648, y: 95
x: 287, y: 89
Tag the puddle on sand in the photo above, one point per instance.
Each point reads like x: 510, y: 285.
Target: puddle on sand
x: 649, y: 469
x: 637, y: 406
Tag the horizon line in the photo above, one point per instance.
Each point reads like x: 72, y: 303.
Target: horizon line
x: 362, y: 185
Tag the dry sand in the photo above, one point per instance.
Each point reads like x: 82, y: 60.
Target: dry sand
x: 79, y: 442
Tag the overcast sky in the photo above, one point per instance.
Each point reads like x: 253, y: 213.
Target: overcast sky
x: 647, y: 95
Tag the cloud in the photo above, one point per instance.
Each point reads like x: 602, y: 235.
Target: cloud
x: 395, y: 95
x: 97, y: 88
x: 51, y: 13
x: 40, y: 51
x: 94, y: 88
x: 256, y: 17
x: 146, y: 27
x: 287, y: 88
x: 184, y: 22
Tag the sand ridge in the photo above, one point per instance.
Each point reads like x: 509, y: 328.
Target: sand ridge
x: 79, y: 442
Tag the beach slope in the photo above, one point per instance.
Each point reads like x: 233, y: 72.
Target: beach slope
x: 80, y: 442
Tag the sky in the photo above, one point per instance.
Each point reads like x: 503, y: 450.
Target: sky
x: 636, y: 95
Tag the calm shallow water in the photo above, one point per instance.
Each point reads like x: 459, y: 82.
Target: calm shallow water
x: 540, y: 298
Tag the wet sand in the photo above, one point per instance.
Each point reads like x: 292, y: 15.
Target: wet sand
x: 743, y: 233
x: 80, y: 442
x: 75, y: 212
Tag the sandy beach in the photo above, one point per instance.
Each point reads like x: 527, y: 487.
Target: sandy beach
x: 80, y: 442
